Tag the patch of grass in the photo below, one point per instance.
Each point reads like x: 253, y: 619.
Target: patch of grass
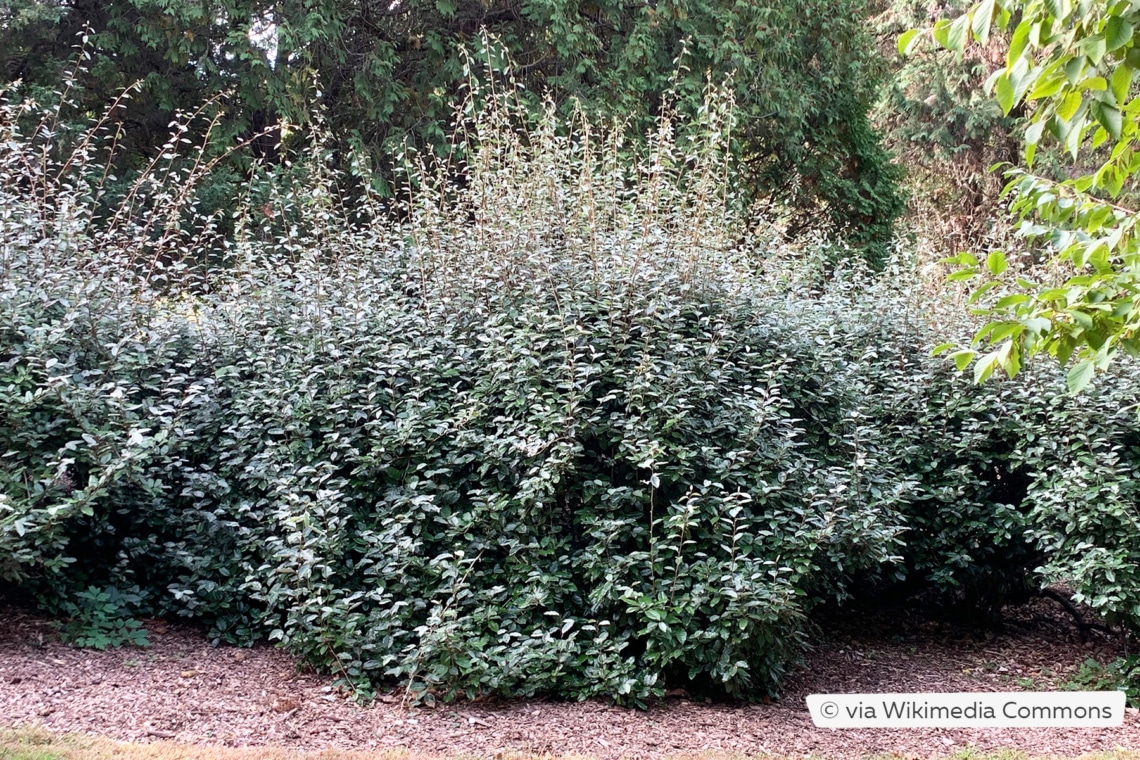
x: 30, y: 744
x: 39, y: 744
x: 28, y: 754
x: 1004, y: 754
x: 1013, y: 754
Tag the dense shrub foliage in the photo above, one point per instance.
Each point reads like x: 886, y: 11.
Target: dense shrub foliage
x: 566, y: 429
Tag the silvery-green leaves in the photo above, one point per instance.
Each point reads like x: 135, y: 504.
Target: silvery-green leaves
x: 565, y: 427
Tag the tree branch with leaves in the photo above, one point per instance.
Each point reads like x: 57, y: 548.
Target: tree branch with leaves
x: 1072, y: 65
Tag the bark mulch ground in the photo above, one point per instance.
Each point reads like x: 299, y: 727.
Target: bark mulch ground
x: 183, y: 689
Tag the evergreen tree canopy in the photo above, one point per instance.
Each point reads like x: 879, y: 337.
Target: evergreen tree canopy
x: 805, y: 74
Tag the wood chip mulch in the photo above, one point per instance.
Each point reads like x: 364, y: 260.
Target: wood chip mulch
x: 183, y: 689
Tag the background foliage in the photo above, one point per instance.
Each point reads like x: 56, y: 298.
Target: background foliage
x: 804, y: 77
x: 947, y: 132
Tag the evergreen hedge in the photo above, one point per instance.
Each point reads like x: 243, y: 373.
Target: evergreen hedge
x: 567, y: 429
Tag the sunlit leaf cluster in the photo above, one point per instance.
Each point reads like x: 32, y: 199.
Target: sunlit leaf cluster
x: 1073, y: 65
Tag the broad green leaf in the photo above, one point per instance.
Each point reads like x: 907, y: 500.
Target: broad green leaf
x: 983, y: 335
x: 1074, y: 69
x: 1098, y: 139
x: 965, y: 258
x: 1117, y: 33
x: 1047, y: 85
x: 1079, y: 376
x: 1098, y: 258
x: 907, y: 41
x: 1058, y: 9
x: 1116, y: 182
x: 1002, y: 18
x: 941, y: 348
x: 1005, y: 330
x: 1014, y: 299
x: 1022, y: 77
x: 1111, y: 119
x: 1005, y: 97
x: 1121, y: 81
x: 1110, y: 179
x: 1074, y: 136
x: 941, y: 30
x: 1011, y: 361
x: 1063, y: 349
x: 1094, y: 47
x: 962, y: 359
x: 988, y: 85
x: 956, y: 35
x: 983, y: 17
x: 1068, y: 107
x: 1082, y: 319
x: 986, y: 365
x: 1017, y: 43
x: 981, y: 290
x: 1098, y: 340
x: 1033, y: 132
x: 996, y: 263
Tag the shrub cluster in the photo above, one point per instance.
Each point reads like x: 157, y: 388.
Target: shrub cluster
x: 563, y: 427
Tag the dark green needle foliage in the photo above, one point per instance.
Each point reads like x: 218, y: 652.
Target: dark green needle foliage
x: 804, y: 78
